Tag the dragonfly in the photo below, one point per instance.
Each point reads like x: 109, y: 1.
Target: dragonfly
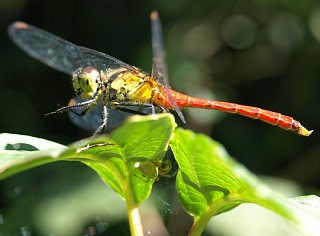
x: 100, y: 80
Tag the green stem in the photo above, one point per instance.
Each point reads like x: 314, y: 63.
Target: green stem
x: 133, y: 213
x: 201, y: 221
x: 199, y: 224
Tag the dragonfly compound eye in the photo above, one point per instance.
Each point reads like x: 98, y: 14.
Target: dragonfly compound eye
x: 86, y: 82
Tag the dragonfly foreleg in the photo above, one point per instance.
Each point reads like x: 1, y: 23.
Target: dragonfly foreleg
x: 122, y: 105
x: 86, y: 105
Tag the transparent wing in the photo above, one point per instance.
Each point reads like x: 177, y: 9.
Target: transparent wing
x: 59, y: 53
x: 159, y: 68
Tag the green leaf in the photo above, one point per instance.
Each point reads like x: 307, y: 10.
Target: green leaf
x: 205, y: 175
x: 128, y: 160
x: 210, y: 182
x: 306, y: 210
x: 21, y: 152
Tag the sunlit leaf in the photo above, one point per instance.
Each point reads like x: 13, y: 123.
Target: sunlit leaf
x: 210, y: 182
x: 205, y: 174
x: 21, y: 152
x: 127, y: 160
x: 120, y: 159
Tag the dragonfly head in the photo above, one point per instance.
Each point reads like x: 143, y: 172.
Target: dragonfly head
x: 85, y: 82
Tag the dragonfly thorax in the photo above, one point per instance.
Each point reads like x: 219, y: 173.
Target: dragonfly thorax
x: 86, y: 82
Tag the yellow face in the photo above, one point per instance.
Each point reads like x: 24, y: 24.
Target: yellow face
x: 86, y: 82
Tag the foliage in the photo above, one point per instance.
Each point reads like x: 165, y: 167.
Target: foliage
x: 209, y: 182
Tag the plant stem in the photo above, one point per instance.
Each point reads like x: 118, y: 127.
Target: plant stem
x: 199, y: 224
x: 133, y: 213
x: 201, y: 221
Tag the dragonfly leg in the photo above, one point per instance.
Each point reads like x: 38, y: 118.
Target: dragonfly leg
x: 86, y: 105
x: 104, y: 121
x: 122, y: 105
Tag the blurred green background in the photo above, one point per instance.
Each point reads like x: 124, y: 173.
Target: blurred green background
x: 259, y: 53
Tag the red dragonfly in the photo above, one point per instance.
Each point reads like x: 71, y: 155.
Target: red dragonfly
x: 103, y: 81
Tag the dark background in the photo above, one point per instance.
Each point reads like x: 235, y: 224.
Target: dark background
x: 260, y: 53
